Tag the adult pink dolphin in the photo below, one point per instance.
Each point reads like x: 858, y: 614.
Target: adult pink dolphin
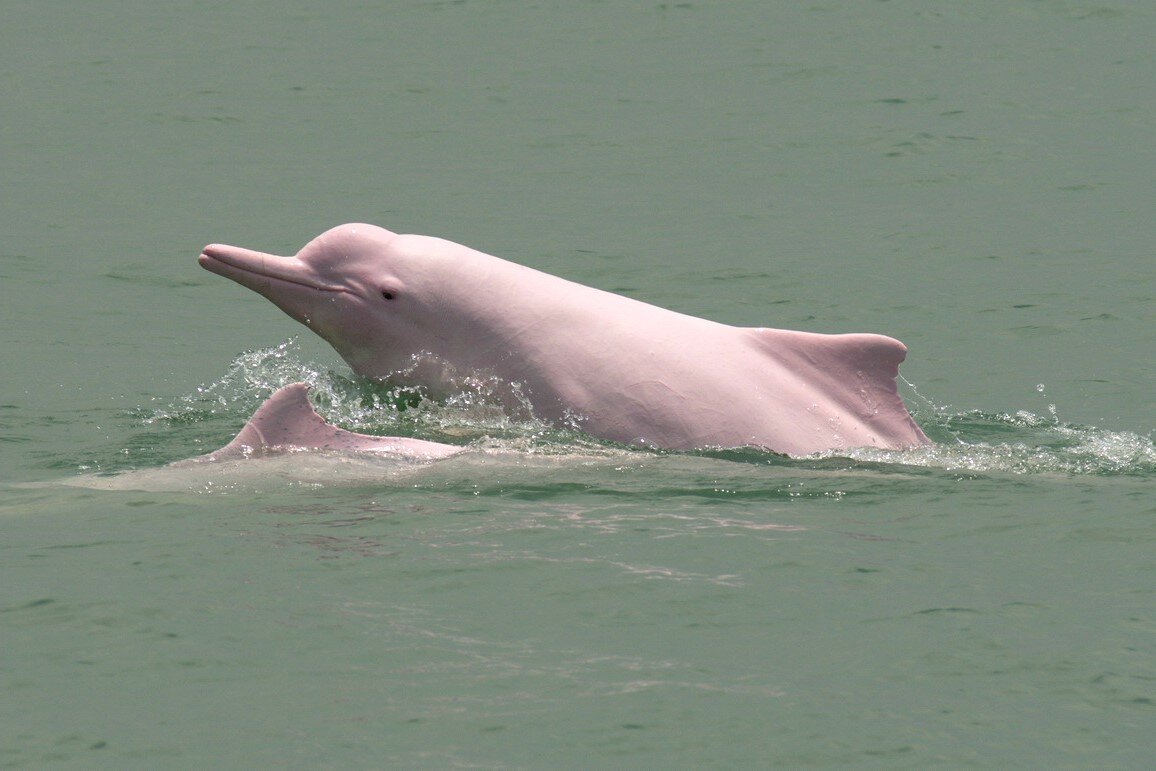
x: 627, y: 371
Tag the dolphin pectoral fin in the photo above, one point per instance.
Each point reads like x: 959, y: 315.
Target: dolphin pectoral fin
x: 287, y: 421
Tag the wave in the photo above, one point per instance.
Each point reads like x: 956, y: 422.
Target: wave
x: 488, y: 414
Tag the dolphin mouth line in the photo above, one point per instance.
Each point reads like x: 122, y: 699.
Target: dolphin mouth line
x: 210, y: 256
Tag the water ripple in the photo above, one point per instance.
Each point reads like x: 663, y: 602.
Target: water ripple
x: 494, y: 420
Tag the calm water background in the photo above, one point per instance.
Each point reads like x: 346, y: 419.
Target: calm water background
x: 975, y: 179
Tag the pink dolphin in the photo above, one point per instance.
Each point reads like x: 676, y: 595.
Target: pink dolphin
x: 287, y: 421
x: 625, y: 370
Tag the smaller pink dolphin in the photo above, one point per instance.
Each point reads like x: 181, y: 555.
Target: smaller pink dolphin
x: 621, y: 369
x: 287, y: 421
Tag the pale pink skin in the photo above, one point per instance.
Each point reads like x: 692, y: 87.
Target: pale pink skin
x: 631, y: 372
x: 287, y: 421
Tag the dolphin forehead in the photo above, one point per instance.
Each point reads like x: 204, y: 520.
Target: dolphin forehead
x: 350, y: 241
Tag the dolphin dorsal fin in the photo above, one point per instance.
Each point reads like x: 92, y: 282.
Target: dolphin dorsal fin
x: 877, y: 355
x: 287, y: 421
x: 856, y: 371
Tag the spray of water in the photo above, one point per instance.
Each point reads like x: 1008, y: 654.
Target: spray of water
x: 486, y: 412
x: 1020, y: 442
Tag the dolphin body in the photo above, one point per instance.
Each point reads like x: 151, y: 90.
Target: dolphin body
x: 286, y: 421
x: 284, y: 424
x: 620, y: 369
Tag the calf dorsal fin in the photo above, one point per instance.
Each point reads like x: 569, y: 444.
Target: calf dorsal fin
x: 287, y: 421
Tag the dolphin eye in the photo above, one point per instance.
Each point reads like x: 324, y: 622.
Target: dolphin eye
x: 388, y: 294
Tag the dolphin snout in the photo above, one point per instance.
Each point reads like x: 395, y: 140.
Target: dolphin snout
x: 260, y: 271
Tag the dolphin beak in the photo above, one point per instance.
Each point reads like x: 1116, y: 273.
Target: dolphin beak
x: 259, y: 271
x: 287, y: 282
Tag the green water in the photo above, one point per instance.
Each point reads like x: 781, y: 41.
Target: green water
x: 974, y: 179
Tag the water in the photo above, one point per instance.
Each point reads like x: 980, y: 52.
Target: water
x: 969, y: 178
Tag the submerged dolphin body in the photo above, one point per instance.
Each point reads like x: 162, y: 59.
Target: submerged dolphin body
x: 620, y: 369
x: 286, y: 421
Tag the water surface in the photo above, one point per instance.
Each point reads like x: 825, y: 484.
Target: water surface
x: 972, y: 179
